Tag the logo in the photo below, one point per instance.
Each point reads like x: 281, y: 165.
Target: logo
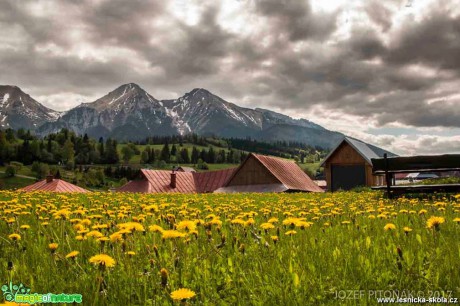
x: 21, y: 294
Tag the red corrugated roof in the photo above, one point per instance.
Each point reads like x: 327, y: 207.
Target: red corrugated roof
x: 56, y: 185
x: 288, y: 173
x: 158, y: 181
x: 211, y: 180
x: 135, y: 186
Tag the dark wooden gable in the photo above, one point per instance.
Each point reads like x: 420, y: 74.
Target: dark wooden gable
x: 252, y: 172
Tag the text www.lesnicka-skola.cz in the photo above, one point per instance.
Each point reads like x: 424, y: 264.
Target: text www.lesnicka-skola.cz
x: 398, y: 296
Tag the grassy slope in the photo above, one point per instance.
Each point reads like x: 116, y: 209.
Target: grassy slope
x: 13, y: 182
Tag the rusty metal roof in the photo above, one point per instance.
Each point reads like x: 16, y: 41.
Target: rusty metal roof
x: 158, y: 181
x: 135, y: 186
x: 288, y: 173
x: 56, y: 185
x: 211, y: 180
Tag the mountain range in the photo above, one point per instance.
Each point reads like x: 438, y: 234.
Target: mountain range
x: 130, y: 113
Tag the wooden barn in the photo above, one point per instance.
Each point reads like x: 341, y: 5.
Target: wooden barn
x: 260, y: 173
x: 349, y: 165
x: 50, y: 184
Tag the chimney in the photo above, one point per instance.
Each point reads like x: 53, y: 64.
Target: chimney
x: 173, y: 179
x: 49, y: 178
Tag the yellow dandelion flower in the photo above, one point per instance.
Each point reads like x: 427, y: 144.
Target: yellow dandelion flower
x: 457, y: 220
x: 102, y: 260
x: 290, y: 233
x: 275, y: 238
x: 130, y: 253
x: 182, y: 294
x: 407, y: 229
x: 186, y: 225
x: 422, y: 211
x: 435, y: 222
x: 25, y: 226
x: 53, y: 246
x: 267, y: 226
x: 72, y: 254
x: 116, y: 237
x: 156, y: 228
x: 95, y: 234
x: 389, y: 227
x: 290, y: 221
x: 15, y: 237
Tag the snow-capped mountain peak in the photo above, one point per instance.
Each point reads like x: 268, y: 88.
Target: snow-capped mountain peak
x: 19, y: 110
x: 131, y: 113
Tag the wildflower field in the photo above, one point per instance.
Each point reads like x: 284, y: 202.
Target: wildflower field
x: 245, y: 249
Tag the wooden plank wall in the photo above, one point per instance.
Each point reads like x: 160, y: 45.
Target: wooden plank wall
x: 253, y: 173
x: 346, y: 155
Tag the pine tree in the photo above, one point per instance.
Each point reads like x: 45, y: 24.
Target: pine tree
x: 165, y: 153
x: 195, y: 155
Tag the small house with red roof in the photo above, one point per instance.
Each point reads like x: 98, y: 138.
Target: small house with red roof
x: 50, y: 184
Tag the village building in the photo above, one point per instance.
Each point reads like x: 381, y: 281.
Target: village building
x: 349, y: 165
x: 257, y: 173
x: 260, y: 173
x: 50, y: 184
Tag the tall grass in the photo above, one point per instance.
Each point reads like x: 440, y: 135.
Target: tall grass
x: 340, y: 244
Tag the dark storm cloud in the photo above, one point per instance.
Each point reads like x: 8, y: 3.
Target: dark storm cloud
x: 296, y: 19
x: 434, y: 41
x: 290, y: 57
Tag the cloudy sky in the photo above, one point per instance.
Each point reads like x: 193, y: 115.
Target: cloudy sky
x: 387, y: 72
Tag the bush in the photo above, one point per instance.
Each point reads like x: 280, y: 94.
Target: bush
x: 10, y: 171
x: 41, y: 170
x: 17, y: 165
x: 123, y: 181
x: 202, y: 165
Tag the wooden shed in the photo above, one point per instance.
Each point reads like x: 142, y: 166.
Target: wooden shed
x: 260, y: 173
x: 349, y: 165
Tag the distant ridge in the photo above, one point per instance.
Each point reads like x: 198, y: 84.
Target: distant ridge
x: 130, y: 113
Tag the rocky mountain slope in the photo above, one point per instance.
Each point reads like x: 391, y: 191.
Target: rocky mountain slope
x: 19, y: 110
x: 130, y: 113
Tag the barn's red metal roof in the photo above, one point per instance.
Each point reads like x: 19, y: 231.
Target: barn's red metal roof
x: 158, y: 181
x: 288, y: 173
x: 212, y: 180
x: 135, y: 186
x: 56, y: 185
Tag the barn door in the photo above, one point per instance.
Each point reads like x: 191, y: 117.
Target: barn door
x: 347, y: 177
